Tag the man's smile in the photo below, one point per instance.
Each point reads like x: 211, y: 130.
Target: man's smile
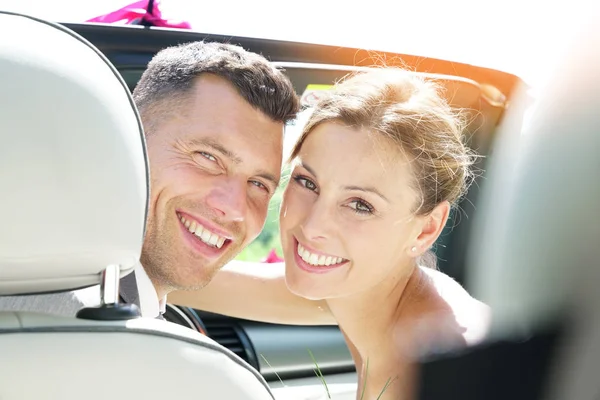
x: 210, y: 240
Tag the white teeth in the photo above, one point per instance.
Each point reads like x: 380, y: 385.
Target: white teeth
x: 316, y: 259
x: 203, y: 234
x: 305, y: 255
x: 213, y: 239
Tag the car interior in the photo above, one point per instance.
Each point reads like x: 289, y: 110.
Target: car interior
x: 483, y: 94
x: 536, y: 272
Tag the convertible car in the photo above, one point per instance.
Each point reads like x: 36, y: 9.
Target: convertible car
x: 282, y: 351
x: 286, y: 355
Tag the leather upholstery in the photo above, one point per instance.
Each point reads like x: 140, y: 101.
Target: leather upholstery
x: 74, y: 181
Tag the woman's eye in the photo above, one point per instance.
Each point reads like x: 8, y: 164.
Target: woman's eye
x: 310, y: 185
x: 361, y: 207
x: 307, y: 183
x: 207, y: 156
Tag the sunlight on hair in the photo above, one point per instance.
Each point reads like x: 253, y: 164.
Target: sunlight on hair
x: 293, y: 130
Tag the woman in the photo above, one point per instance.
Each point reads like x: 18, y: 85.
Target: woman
x: 375, y: 173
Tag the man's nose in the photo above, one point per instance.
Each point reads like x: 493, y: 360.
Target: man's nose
x: 228, y: 200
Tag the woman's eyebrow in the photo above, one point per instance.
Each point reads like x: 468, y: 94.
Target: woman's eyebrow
x: 368, y: 189
x: 306, y: 167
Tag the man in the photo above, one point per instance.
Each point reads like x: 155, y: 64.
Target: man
x: 214, y: 116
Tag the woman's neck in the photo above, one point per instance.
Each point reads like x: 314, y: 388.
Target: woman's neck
x: 369, y: 321
x: 371, y: 315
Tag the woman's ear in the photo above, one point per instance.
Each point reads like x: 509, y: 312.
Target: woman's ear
x: 432, y: 225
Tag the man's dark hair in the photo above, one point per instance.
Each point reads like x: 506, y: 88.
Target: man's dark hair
x: 172, y: 72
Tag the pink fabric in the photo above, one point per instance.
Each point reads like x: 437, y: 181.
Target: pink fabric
x: 134, y: 13
x: 272, y: 257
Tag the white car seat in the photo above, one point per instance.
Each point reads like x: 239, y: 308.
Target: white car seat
x: 74, y: 193
x: 535, y: 257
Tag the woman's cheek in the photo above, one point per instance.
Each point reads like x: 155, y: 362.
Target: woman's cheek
x: 294, y: 205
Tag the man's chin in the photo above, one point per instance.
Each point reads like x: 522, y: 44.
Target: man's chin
x: 178, y: 268
x: 191, y: 288
x: 198, y: 279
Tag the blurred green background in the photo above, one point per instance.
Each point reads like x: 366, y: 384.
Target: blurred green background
x: 269, y: 237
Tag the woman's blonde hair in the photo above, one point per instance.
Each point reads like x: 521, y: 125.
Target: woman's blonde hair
x: 411, y: 112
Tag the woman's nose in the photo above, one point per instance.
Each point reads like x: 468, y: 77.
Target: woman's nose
x: 318, y: 221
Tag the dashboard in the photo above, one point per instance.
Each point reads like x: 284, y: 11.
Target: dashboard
x: 285, y: 355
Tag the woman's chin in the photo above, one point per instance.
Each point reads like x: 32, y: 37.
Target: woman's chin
x: 310, y: 286
x: 307, y: 290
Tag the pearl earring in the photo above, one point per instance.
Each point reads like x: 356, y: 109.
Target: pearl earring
x: 414, y: 249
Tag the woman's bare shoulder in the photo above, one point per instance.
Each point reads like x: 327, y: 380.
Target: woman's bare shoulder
x: 446, y: 309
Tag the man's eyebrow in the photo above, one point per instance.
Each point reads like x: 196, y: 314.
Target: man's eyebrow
x: 368, y: 189
x: 217, y: 147
x: 269, y: 177
x: 233, y: 157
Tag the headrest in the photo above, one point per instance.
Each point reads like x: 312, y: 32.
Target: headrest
x: 538, y: 226
x: 73, y: 167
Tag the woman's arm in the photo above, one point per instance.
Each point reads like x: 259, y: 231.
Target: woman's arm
x: 255, y: 291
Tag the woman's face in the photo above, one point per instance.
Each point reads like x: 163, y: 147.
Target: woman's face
x: 347, y: 216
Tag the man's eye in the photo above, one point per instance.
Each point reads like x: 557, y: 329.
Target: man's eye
x: 208, y: 156
x: 260, y: 185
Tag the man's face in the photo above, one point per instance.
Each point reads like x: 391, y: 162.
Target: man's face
x: 215, y: 164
